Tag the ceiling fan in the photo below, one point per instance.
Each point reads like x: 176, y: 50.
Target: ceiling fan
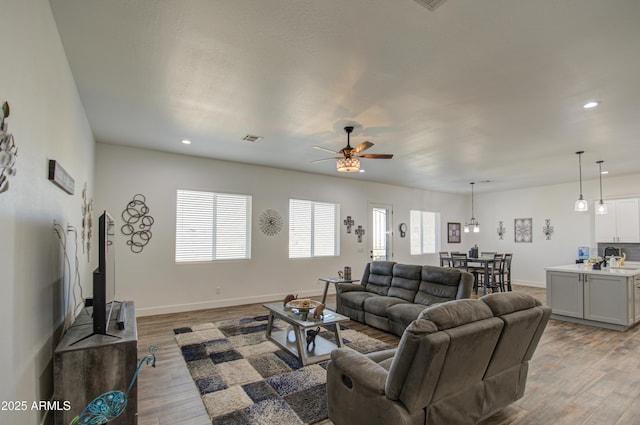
x: 348, y: 161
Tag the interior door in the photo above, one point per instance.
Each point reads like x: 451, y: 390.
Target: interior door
x: 380, y: 222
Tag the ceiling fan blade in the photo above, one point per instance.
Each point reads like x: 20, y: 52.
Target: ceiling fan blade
x: 362, y: 147
x: 325, y: 159
x: 320, y: 148
x: 376, y: 156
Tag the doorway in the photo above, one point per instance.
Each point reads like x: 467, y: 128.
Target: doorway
x: 381, y: 220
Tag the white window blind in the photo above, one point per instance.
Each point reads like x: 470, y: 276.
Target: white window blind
x: 312, y: 229
x: 424, y: 234
x: 212, y: 226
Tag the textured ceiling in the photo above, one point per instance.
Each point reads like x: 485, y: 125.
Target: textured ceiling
x: 472, y: 91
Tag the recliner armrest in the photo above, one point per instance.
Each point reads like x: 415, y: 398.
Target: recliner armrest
x: 348, y: 287
x: 360, y: 369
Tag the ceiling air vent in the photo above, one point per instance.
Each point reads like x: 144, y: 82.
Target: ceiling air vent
x: 430, y: 4
x: 252, y: 138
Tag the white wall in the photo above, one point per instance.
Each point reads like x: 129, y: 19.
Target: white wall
x: 556, y: 202
x: 48, y: 122
x: 157, y: 284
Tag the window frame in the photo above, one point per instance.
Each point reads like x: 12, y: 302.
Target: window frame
x: 312, y: 247
x: 422, y: 233
x: 215, y: 249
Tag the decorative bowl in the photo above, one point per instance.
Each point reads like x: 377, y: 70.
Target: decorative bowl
x: 303, y: 306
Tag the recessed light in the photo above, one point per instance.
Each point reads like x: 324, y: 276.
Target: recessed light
x: 361, y: 170
x: 186, y: 142
x: 590, y: 105
x: 604, y: 172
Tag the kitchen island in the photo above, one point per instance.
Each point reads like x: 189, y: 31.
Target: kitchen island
x: 608, y: 298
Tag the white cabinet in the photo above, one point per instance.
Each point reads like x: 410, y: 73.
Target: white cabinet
x: 596, y: 299
x: 621, y: 223
x: 606, y: 299
x: 565, y: 293
x: 636, y: 302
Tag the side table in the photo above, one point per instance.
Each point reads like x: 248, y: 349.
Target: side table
x: 335, y: 281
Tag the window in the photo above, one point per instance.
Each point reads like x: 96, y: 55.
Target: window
x: 424, y: 232
x: 212, y: 226
x: 313, y: 229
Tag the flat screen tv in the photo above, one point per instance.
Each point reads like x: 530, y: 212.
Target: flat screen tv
x: 104, y: 277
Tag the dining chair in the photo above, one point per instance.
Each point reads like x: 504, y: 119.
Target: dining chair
x: 496, y: 274
x: 459, y: 260
x: 445, y: 260
x: 506, y: 271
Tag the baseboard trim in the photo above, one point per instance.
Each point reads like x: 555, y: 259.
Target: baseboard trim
x: 229, y: 302
x: 529, y: 283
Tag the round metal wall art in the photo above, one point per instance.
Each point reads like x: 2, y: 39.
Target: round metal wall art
x: 138, y: 223
x: 270, y: 222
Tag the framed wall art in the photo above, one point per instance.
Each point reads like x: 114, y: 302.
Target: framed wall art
x: 453, y: 233
x: 522, y: 229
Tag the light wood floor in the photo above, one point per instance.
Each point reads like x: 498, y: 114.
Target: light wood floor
x: 579, y: 375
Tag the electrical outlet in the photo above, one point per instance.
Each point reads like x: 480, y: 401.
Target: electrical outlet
x: 218, y: 290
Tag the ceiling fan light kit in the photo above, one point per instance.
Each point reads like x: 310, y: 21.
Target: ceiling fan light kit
x: 348, y: 165
x: 349, y: 161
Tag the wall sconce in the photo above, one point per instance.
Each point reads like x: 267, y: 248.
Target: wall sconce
x: 547, y: 229
x: 501, y: 230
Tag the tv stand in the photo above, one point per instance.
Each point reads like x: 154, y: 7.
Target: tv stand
x: 86, y: 365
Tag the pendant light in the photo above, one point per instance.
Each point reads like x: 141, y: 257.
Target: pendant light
x: 602, y: 207
x: 581, y: 205
x: 473, y: 222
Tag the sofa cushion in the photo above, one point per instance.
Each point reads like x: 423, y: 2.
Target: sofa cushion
x: 379, y: 279
x: 404, y: 313
x: 405, y: 281
x: 509, y: 302
x: 456, y: 313
x: 437, y: 285
x: 379, y: 305
x: 355, y: 300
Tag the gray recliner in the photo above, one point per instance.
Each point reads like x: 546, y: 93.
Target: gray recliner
x: 458, y: 363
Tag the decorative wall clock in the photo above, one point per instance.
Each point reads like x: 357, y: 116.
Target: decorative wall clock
x: 270, y: 222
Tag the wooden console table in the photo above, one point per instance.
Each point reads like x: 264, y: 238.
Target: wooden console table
x: 84, y: 369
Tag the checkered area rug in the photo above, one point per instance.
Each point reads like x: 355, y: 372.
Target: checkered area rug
x: 245, y: 379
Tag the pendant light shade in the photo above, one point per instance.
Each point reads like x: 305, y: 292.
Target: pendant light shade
x: 602, y: 207
x: 473, y: 223
x: 581, y: 205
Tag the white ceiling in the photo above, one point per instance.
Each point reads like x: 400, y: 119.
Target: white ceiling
x: 475, y: 90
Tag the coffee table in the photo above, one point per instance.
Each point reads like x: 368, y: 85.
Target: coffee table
x: 297, y: 345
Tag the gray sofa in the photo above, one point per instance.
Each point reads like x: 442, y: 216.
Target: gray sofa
x: 390, y: 295
x: 459, y: 363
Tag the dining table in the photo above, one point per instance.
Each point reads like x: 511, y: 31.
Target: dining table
x: 484, y: 262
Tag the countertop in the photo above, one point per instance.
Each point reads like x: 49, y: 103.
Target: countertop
x: 630, y: 269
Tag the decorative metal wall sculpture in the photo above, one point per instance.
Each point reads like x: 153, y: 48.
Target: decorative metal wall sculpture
x: 87, y: 221
x: 8, y: 150
x: 349, y: 222
x: 501, y: 230
x: 138, y: 223
x: 547, y: 229
x: 523, y: 229
x: 360, y: 232
x: 270, y: 222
